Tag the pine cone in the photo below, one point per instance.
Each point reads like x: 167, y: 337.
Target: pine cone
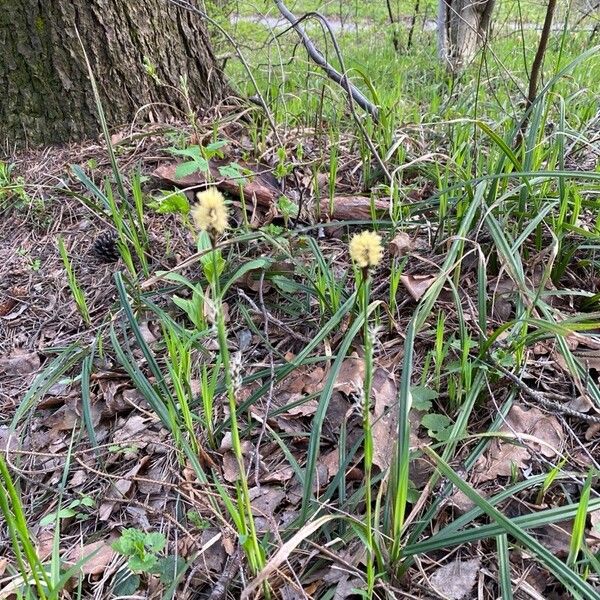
x: 105, y: 247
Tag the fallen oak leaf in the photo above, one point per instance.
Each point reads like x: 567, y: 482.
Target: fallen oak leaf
x: 93, y: 558
x: 122, y: 487
x: 556, y: 537
x: 455, y: 579
x: 8, y: 440
x: 417, y: 285
x: 20, y: 362
x: 351, y: 375
x: 401, y: 245
x: 385, y: 394
x: 542, y: 431
x: 265, y: 500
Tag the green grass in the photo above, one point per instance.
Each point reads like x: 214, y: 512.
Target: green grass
x: 500, y: 213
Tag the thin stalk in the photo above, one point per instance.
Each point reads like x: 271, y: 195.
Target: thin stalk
x: 12, y: 509
x: 395, y: 39
x: 254, y: 556
x: 541, y: 51
x: 368, y: 443
x: 413, y: 21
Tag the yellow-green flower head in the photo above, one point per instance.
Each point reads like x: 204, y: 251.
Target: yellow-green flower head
x: 366, y: 249
x: 211, y: 213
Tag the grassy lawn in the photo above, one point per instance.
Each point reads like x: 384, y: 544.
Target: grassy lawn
x: 372, y: 372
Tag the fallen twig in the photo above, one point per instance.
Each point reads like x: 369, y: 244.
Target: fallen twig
x: 543, y: 400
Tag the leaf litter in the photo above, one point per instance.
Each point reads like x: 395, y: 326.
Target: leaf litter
x: 138, y: 478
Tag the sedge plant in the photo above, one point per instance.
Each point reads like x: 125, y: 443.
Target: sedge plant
x: 211, y: 216
x: 366, y: 252
x: 74, y: 286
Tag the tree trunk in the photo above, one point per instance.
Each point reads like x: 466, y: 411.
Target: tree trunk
x: 140, y: 52
x: 462, y: 27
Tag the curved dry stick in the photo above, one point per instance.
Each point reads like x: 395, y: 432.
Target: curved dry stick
x: 345, y: 82
x: 320, y: 60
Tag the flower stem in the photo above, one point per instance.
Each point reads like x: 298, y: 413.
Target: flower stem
x: 368, y: 433
x: 252, y: 547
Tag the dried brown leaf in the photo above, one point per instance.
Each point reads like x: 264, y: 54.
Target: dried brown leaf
x: 152, y: 480
x: 147, y: 334
x: 385, y: 422
x: 65, y: 418
x: 278, y: 475
x: 350, y: 379
x: 213, y: 552
x: 45, y: 541
x: 401, y: 245
x: 540, y: 433
x: 331, y: 460
x: 102, y: 552
x: 417, y: 285
x: 456, y: 579
x: 121, y: 488
x: 592, y: 431
x: 306, y: 409
x: 593, y: 538
x: 349, y: 208
x: 346, y: 586
x: 265, y: 500
x: 284, y: 553
x: 113, y: 400
x: 461, y: 502
x: 581, y: 403
x: 303, y: 382
x: 131, y: 428
x: 556, y: 537
x: 78, y: 478
x: 19, y: 362
x: 230, y: 464
x: 9, y: 440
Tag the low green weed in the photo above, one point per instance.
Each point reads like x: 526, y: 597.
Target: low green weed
x: 74, y: 286
x: 143, y: 551
x: 12, y: 189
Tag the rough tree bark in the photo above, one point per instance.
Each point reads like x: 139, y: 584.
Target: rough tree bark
x: 139, y: 52
x: 462, y: 27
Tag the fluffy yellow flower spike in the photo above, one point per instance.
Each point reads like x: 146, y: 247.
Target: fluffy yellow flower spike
x: 365, y: 249
x: 211, y: 214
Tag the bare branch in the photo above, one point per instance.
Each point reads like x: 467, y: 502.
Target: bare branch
x: 541, y: 51
x: 320, y: 60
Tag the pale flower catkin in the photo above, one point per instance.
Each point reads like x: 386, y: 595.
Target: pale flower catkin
x: 211, y: 213
x: 366, y: 249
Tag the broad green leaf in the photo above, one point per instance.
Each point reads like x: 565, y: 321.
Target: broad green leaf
x: 438, y: 426
x: 155, y: 541
x: 127, y: 583
x: 422, y: 397
x: 189, y: 168
x: 172, y: 204
x: 168, y: 567
x: 142, y: 564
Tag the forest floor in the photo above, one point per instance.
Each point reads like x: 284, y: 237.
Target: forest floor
x: 252, y: 414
